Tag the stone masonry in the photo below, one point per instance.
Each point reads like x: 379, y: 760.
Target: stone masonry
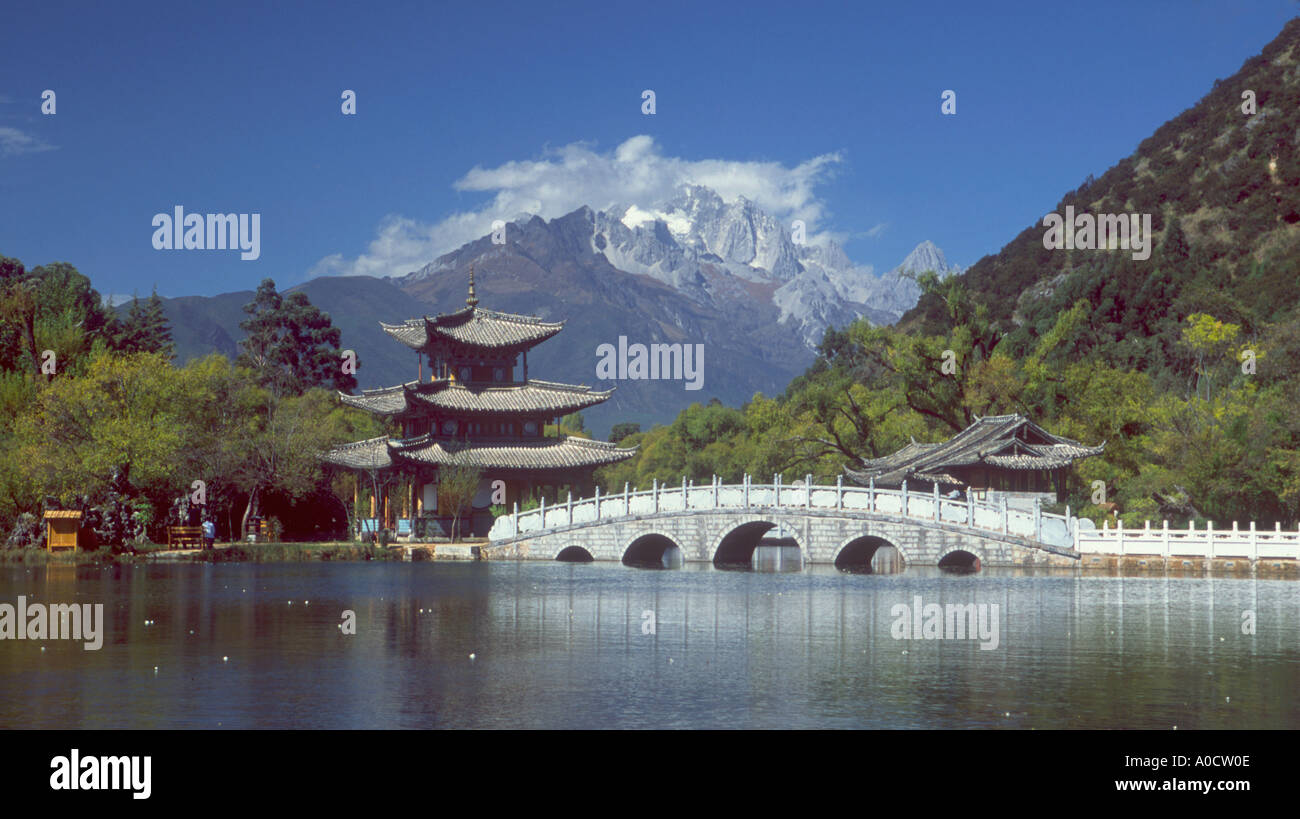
x: 820, y: 533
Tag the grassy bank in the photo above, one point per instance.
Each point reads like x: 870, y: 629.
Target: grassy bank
x: 234, y: 552
x: 41, y: 557
x: 292, y: 552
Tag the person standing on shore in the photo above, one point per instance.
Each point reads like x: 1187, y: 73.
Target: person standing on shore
x: 209, y: 534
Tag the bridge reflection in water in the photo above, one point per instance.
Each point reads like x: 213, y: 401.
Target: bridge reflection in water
x: 558, y: 645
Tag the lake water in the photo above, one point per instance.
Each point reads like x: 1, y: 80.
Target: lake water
x: 608, y: 646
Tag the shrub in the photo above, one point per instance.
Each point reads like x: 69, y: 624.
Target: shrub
x: 26, y: 534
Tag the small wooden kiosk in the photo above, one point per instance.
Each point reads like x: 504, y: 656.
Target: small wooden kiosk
x: 61, y: 529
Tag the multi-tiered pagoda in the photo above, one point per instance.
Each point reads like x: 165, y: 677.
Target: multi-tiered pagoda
x: 479, y: 409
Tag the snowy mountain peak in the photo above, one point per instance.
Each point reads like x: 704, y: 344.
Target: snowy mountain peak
x: 926, y: 256
x: 721, y: 253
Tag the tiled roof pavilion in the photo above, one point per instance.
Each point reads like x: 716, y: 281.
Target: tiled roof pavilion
x: 506, y: 418
x: 1004, y: 442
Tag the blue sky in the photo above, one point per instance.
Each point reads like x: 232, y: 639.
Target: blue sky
x: 469, y: 109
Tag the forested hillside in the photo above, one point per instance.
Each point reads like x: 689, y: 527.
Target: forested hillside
x: 1222, y: 186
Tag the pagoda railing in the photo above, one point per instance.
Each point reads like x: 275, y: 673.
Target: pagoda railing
x: 1042, y: 527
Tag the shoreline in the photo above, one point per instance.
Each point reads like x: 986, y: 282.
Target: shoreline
x: 470, y: 551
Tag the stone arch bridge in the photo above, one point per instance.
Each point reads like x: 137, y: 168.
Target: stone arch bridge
x: 842, y: 525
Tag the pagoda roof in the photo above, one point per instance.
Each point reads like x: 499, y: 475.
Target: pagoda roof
x: 372, y: 453
x: 421, y: 398
x: 530, y: 455
x: 473, y: 326
x: 999, y: 441
x: 538, y: 454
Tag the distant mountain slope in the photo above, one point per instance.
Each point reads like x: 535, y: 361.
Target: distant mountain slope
x: 1228, y: 178
x: 206, y: 324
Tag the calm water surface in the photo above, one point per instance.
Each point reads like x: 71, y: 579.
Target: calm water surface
x: 566, y: 646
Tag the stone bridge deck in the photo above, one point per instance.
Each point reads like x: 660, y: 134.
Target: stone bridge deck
x: 830, y: 524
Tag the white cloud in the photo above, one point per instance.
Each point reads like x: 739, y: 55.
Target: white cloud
x: 564, y: 179
x: 14, y: 142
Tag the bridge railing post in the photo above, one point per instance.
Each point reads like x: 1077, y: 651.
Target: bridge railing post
x: 904, y: 498
x: 1038, y: 522
x: 807, y: 485
x: 685, y: 497
x: 541, y: 510
x: 1164, y: 539
x: 569, y: 504
x: 627, y: 500
x: 871, y: 495
x: 776, y: 489
x: 1004, y: 514
x: 1254, y: 544
x: 598, y: 502
x: 746, y: 490
x: 654, y: 488
x: 1119, y: 533
x: 716, y: 481
x: 1209, y: 538
x: 515, y: 515
x: 839, y: 491
x: 937, y: 516
x: 970, y: 508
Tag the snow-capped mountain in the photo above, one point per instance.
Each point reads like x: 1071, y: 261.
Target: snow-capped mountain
x: 721, y: 254
x: 896, y: 293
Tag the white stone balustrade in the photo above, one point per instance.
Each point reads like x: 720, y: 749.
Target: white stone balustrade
x: 1249, y: 543
x: 1056, y: 530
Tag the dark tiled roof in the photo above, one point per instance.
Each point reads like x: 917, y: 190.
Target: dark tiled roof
x: 416, y: 398
x: 474, y: 327
x: 533, y: 397
x: 526, y: 455
x: 540, y: 454
x: 1000, y: 441
x: 385, y: 401
x: 369, y: 454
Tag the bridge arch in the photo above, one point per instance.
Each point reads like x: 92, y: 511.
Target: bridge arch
x: 961, y: 560
x: 735, y: 544
x: 574, y: 554
x: 869, y: 554
x: 652, y: 550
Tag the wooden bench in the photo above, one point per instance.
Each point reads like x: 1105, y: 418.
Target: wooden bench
x: 180, y: 537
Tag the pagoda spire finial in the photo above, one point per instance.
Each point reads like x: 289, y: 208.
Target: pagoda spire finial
x: 472, y: 300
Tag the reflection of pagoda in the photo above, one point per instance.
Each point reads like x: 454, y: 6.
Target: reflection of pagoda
x: 472, y: 412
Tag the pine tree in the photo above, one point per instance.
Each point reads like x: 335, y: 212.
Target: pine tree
x: 155, y: 330
x: 145, y: 329
x: 291, y: 344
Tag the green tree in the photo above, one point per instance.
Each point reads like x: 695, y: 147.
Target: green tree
x: 280, y: 450
x: 457, y: 486
x: 145, y: 329
x: 118, y: 424
x: 1210, y: 340
x: 620, y: 431
x: 290, y: 344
